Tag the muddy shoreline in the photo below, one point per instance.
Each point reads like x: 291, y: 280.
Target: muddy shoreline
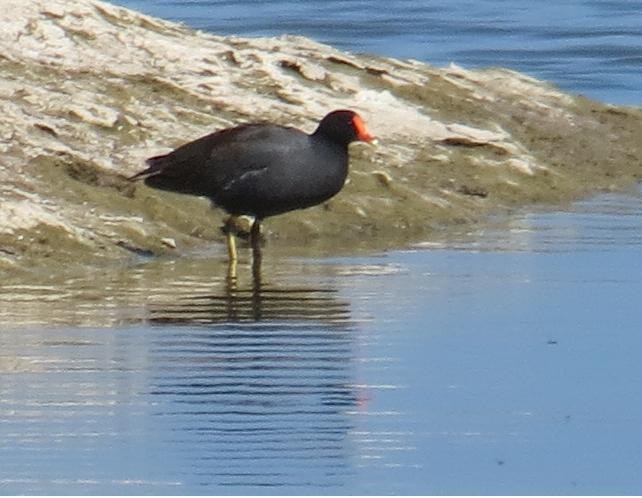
x: 89, y: 90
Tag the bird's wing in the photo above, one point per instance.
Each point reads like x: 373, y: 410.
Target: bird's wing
x: 214, y: 162
x: 192, y: 154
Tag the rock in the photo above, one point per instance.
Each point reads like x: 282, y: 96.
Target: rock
x: 168, y: 242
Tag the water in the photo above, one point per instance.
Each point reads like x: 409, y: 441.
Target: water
x: 501, y: 361
x: 592, y: 47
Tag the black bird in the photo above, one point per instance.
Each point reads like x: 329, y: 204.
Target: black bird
x: 261, y: 169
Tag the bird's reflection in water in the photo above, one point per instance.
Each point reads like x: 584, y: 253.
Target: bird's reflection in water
x: 259, y: 303
x: 257, y: 388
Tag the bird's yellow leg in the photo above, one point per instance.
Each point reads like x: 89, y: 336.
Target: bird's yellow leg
x: 231, y: 246
x: 255, y: 235
x: 230, y: 238
x: 232, y: 256
x: 257, y: 257
x: 231, y: 272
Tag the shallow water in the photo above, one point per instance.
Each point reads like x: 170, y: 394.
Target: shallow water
x: 500, y: 361
x: 586, y: 46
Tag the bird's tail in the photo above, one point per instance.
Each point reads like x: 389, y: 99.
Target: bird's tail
x: 155, y: 165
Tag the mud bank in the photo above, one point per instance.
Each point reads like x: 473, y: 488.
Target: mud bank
x: 89, y: 90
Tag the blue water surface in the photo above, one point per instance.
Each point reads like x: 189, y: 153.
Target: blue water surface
x: 592, y: 47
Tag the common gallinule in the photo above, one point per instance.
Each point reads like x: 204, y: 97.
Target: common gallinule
x: 261, y: 169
